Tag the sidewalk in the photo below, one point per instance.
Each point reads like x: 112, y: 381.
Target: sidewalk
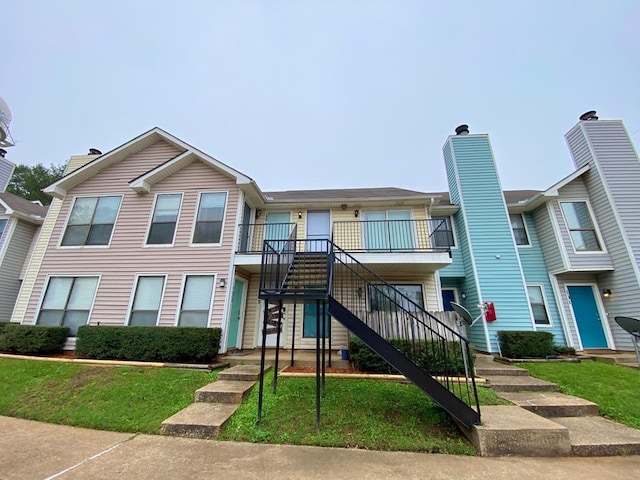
x: 33, y: 450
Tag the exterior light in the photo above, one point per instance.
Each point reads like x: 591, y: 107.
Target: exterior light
x: 606, y: 292
x: 223, y: 282
x: 299, y: 214
x: 356, y: 213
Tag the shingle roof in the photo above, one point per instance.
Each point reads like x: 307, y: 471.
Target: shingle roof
x: 343, y: 194
x: 512, y: 197
x: 23, y: 206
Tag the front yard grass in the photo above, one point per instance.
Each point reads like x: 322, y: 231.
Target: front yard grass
x: 368, y: 414
x: 123, y: 399
x: 613, y: 388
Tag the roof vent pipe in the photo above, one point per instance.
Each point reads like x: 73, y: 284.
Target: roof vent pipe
x: 94, y: 151
x: 3, y: 152
x: 590, y: 115
x: 462, y: 130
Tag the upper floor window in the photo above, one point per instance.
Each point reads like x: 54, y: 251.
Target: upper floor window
x: 441, y: 232
x: 147, y: 301
x: 581, y: 226
x: 3, y: 224
x: 538, y: 307
x: 519, y: 230
x: 196, y: 301
x: 208, y: 227
x: 91, y: 221
x: 164, y: 220
x: 67, y: 302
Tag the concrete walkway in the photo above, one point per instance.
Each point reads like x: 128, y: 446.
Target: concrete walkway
x: 32, y: 450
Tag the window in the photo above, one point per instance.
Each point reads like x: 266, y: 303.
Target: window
x: 91, y: 221
x: 209, y: 220
x: 67, y: 302
x: 536, y: 299
x: 146, y: 302
x: 3, y: 224
x: 441, y: 232
x: 384, y: 299
x: 165, y: 217
x: 196, y: 301
x: 581, y: 228
x: 519, y: 230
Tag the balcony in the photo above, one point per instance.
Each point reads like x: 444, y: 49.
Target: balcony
x: 413, y: 245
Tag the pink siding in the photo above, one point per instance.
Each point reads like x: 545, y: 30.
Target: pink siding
x: 127, y: 256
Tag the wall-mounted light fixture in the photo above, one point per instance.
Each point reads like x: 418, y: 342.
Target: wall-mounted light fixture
x: 299, y: 214
x: 343, y: 206
x: 606, y: 292
x: 356, y: 213
x: 463, y: 295
x: 258, y: 212
x: 223, y: 282
x: 359, y: 292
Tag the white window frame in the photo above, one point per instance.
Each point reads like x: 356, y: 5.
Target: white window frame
x: 59, y: 275
x: 134, y: 290
x: 526, y: 230
x: 66, y: 223
x: 6, y: 224
x: 150, y: 221
x: 195, y: 219
x: 453, y: 229
x: 394, y: 285
x: 546, y: 306
x: 176, y: 322
x: 596, y: 229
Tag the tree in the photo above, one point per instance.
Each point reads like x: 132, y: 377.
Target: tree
x: 29, y: 180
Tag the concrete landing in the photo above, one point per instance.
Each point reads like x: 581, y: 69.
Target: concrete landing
x: 511, y: 430
x: 302, y: 358
x: 552, y: 404
x: 199, y: 420
x: 244, y: 373
x: 505, y: 383
x: 224, y: 391
x: 599, y: 437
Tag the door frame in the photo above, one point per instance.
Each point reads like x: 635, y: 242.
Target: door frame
x: 601, y: 311
x: 243, y: 312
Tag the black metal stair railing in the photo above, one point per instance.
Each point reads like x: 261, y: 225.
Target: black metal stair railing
x: 431, y: 354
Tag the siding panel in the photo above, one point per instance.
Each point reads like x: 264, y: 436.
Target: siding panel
x: 15, y: 252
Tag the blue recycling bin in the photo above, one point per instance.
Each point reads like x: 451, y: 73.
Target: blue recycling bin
x: 344, y: 353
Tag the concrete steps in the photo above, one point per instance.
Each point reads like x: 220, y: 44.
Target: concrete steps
x: 214, y: 404
x: 542, y: 421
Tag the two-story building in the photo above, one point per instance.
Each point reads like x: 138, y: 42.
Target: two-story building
x: 156, y: 232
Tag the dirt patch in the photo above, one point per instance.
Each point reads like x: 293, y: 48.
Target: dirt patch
x: 294, y: 369
x: 85, y: 376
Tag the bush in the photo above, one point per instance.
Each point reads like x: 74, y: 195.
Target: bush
x: 32, y: 339
x: 149, y: 344
x: 515, y: 344
x: 564, y: 350
x: 436, y: 358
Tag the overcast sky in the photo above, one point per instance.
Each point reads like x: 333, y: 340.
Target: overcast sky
x: 308, y: 94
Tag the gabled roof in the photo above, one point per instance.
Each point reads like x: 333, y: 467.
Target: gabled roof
x: 22, y: 208
x: 144, y: 182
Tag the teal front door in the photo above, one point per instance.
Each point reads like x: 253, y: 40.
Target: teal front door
x: 278, y: 228
x: 309, y: 321
x: 587, y: 315
x: 235, y: 314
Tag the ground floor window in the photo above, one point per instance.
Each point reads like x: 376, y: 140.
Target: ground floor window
x: 147, y: 300
x: 385, y: 298
x: 67, y: 302
x: 538, y: 307
x: 196, y: 301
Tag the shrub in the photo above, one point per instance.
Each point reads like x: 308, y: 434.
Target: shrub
x: 564, y: 350
x: 149, y: 344
x: 514, y: 344
x: 434, y: 357
x: 32, y: 339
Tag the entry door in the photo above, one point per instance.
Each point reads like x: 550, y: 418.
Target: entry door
x: 235, y: 315
x: 309, y: 321
x: 278, y: 228
x: 388, y: 231
x: 585, y: 311
x: 245, y: 231
x: 318, y: 229
x: 448, y: 296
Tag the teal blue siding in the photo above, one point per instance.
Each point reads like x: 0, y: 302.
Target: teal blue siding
x: 535, y: 272
x: 456, y: 268
x: 484, y: 231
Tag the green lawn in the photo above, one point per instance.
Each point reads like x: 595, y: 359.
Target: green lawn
x: 616, y: 389
x: 368, y: 414
x: 121, y: 399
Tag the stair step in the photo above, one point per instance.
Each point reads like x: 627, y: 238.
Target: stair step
x: 224, y: 391
x: 500, y: 370
x: 597, y: 437
x: 511, y: 430
x: 245, y: 373
x: 199, y: 420
x: 510, y: 383
x: 552, y: 404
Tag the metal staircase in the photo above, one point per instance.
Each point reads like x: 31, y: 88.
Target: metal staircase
x: 429, y: 353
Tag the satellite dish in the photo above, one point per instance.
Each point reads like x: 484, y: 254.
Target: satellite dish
x: 5, y: 121
x: 463, y: 313
x: 632, y: 327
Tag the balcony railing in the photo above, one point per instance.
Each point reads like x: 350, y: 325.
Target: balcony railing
x: 393, y: 236
x: 433, y: 235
